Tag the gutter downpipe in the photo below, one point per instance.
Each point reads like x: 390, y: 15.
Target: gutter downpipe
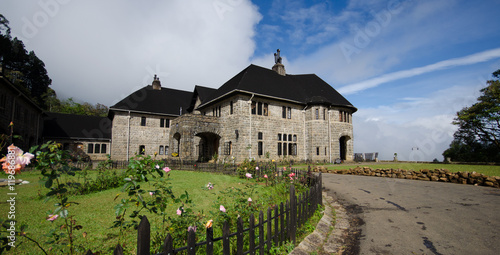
x: 128, y: 135
x: 329, y: 136
x: 304, y: 135
x: 250, y: 137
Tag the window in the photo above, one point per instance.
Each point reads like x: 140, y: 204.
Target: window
x: 143, y: 121
x: 317, y: 114
x: 289, y: 112
x: 231, y: 107
x: 283, y: 112
x: 259, y: 108
x: 279, y: 149
x: 162, y: 122
x: 259, y: 135
x: 290, y: 149
x: 284, y: 149
x: 142, y: 149
x: 227, y: 148
x: 340, y: 116
x: 260, y: 149
x: 295, y: 138
x: 284, y: 137
x: 266, y: 109
x: 294, y: 152
x: 254, y: 106
x: 324, y: 114
x: 317, y: 151
x: 97, y: 148
x: 90, y: 148
x: 279, y: 137
x: 166, y: 150
x: 161, y: 150
x: 289, y: 138
x: 103, y: 148
x: 167, y: 123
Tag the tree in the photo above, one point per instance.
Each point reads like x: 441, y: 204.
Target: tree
x: 478, y: 131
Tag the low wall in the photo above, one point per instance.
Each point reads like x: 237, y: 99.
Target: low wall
x: 441, y: 175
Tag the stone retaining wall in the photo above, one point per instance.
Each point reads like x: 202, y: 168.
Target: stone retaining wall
x: 441, y: 175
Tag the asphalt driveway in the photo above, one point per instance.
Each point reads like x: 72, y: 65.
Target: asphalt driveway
x: 400, y: 216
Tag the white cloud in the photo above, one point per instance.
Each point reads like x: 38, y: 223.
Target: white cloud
x: 467, y: 60
x: 100, y: 51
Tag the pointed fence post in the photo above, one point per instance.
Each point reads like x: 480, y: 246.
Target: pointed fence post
x: 269, y: 230
x: 293, y: 214
x: 168, y: 245
x: 251, y: 234
x: 191, y: 249
x: 276, y: 226
x: 226, y: 249
x: 262, y: 240
x: 282, y: 224
x: 143, y: 237
x: 239, y: 237
x: 210, y: 242
x: 118, y: 250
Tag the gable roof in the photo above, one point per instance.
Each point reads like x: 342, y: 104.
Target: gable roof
x: 72, y: 126
x: 303, y: 89
x: 148, y: 100
x: 201, y: 92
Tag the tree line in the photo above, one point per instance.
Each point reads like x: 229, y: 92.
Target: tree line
x: 28, y: 73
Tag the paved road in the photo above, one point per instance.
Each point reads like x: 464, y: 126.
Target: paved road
x: 419, y: 217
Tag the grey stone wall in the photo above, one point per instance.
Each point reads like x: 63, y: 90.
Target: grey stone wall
x: 241, y: 129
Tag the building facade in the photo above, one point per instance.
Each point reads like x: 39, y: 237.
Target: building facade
x: 260, y: 114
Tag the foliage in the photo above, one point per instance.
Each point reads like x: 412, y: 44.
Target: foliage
x: 53, y: 163
x: 71, y: 107
x: 25, y: 70
x: 142, y: 169
x: 479, y: 127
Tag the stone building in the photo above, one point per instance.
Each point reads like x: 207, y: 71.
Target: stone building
x: 259, y: 113
x: 86, y: 137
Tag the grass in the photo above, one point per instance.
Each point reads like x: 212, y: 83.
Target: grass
x: 490, y: 170
x: 95, y: 211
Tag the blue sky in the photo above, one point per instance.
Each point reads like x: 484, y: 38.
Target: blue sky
x: 408, y: 66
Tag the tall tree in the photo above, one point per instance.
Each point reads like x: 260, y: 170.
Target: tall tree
x: 479, y: 125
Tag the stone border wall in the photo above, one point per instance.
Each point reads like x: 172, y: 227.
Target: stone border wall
x: 440, y: 175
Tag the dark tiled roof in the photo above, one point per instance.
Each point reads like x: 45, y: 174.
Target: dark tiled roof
x: 304, y: 89
x: 203, y: 93
x: 61, y: 125
x: 164, y: 101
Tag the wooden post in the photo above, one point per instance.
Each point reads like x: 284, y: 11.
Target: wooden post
x: 239, y: 237
x: 299, y: 211
x: 143, y: 237
x: 210, y: 242
x: 282, y: 224
x: 252, y: 234
x: 191, y: 243
x: 262, y: 240
x: 168, y: 245
x: 269, y: 230
x: 276, y: 227
x: 287, y: 225
x: 225, y: 239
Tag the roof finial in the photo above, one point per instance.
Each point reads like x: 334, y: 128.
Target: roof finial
x: 278, y: 66
x: 277, y: 58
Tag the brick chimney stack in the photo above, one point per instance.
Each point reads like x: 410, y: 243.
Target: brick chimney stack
x: 156, y: 83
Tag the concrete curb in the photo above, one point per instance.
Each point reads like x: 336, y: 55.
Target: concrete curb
x: 330, y: 232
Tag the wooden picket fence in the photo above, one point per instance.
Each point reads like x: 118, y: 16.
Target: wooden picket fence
x: 280, y: 226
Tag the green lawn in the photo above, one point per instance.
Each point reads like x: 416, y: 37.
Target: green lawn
x: 490, y: 170
x: 95, y: 211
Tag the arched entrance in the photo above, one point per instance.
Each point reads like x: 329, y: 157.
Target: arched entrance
x: 208, y: 146
x: 343, y: 147
x: 177, y: 144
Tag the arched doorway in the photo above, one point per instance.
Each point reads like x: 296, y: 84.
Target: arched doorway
x: 208, y: 146
x: 343, y: 147
x: 177, y: 144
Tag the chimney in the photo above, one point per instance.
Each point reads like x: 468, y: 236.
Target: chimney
x: 156, y: 83
x: 278, y: 66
